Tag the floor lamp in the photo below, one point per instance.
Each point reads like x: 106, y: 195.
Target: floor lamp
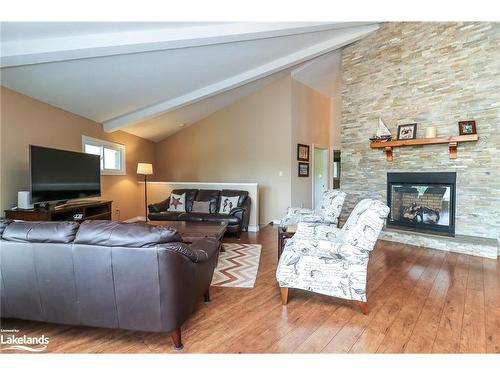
x: 145, y: 169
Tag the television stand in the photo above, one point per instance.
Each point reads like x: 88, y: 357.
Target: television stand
x: 91, y: 210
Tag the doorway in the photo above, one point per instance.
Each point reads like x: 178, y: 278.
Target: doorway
x: 320, y: 174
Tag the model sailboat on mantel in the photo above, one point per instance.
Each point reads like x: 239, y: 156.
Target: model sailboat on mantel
x: 383, y: 134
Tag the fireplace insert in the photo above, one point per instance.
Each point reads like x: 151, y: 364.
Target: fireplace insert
x: 422, y: 202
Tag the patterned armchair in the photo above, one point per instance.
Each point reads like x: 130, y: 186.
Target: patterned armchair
x: 324, y: 259
x: 329, y: 211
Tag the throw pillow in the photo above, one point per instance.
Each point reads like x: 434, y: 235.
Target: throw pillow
x: 202, y: 207
x: 177, y: 203
x: 227, y: 204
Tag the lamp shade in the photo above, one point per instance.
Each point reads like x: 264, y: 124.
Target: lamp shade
x: 144, y: 168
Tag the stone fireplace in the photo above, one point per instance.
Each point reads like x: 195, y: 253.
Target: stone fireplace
x: 422, y: 202
x: 390, y: 74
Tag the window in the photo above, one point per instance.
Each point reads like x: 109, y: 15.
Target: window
x: 112, y: 155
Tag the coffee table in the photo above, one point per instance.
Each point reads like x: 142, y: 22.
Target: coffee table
x: 191, y: 231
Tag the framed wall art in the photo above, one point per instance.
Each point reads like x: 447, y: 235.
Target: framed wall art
x: 302, y: 152
x: 303, y: 170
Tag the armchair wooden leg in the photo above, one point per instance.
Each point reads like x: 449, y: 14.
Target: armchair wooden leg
x: 363, y: 306
x: 206, y: 296
x: 176, y: 338
x: 284, y: 295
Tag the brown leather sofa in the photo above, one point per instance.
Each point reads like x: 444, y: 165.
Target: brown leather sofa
x: 237, y: 219
x: 103, y: 274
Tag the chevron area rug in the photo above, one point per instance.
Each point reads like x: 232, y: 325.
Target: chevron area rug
x: 238, y: 265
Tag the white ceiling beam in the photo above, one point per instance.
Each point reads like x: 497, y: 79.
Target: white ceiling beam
x: 43, y: 50
x: 342, y: 38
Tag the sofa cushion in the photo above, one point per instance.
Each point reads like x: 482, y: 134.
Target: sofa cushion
x: 227, y: 204
x: 41, y: 231
x: 241, y: 194
x: 190, y: 196
x: 193, y: 216
x: 165, y: 215
x: 3, y: 224
x: 213, y: 218
x: 203, y: 207
x: 177, y: 203
x: 117, y: 234
x: 211, y: 196
x: 198, y: 252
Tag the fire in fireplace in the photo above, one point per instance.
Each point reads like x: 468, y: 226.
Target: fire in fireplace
x: 423, y: 202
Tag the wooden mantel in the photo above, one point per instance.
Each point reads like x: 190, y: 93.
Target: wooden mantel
x: 452, y: 143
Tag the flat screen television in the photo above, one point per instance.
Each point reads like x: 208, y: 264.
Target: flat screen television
x: 58, y: 175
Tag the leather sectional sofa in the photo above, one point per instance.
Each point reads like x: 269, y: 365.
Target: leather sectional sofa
x: 237, y: 219
x: 103, y: 274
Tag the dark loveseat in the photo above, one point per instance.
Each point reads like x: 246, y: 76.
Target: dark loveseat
x: 103, y: 274
x: 237, y: 219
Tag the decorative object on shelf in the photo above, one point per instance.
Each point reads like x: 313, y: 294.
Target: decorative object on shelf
x: 302, y: 152
x: 303, y: 170
x: 382, y: 134
x: 146, y: 169
x: 430, y: 132
x: 407, y: 131
x: 467, y: 127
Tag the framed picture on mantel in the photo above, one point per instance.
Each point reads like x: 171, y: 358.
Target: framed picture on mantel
x: 467, y: 127
x: 407, y: 131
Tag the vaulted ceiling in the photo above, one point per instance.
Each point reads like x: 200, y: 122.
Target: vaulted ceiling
x: 148, y: 78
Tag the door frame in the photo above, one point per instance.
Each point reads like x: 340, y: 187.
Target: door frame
x: 326, y: 167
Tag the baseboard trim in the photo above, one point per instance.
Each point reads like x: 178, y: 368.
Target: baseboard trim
x: 253, y: 228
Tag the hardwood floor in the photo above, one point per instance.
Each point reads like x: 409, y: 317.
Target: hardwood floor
x: 421, y: 301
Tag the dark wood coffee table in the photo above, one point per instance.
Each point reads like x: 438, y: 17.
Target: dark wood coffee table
x: 191, y: 231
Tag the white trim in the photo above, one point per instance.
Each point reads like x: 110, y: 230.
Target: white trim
x: 344, y: 37
x: 201, y: 183
x: 252, y: 228
x: 110, y: 145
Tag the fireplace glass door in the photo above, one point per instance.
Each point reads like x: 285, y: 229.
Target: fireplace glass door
x: 425, y: 207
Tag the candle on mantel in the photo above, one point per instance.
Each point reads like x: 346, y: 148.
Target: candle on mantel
x: 430, y: 132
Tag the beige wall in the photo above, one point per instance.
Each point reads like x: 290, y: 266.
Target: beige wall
x: 311, y: 122
x: 249, y: 141
x: 27, y: 121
